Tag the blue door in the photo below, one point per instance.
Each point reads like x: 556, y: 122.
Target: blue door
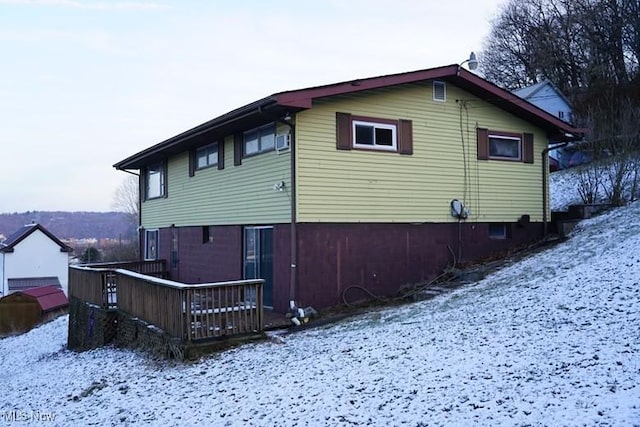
x: 258, y: 259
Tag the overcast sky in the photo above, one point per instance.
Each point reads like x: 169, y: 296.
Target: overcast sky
x: 85, y: 84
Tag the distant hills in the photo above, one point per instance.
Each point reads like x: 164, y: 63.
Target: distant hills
x: 72, y: 225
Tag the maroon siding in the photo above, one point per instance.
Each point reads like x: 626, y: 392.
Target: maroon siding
x: 332, y: 258
x: 383, y: 257
x: 198, y: 262
x: 221, y: 259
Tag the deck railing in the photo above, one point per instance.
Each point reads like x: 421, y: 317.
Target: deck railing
x: 155, y: 268
x: 189, y: 312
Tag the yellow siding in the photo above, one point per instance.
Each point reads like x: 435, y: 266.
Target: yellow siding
x: 362, y: 186
x: 234, y: 195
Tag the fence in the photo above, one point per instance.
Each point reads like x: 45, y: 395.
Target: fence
x: 189, y: 312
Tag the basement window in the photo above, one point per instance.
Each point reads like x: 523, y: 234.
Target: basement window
x: 498, y: 231
x: 207, y: 234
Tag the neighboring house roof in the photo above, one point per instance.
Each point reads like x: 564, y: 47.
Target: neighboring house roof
x: 24, y: 232
x: 23, y: 283
x: 530, y: 92
x: 276, y: 106
x: 49, y: 297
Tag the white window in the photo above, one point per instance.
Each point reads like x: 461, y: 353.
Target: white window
x: 207, y: 156
x: 505, y: 147
x: 372, y: 135
x: 155, y: 181
x: 260, y: 140
x: 150, y: 245
x: 439, y: 91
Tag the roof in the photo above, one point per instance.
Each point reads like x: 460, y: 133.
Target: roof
x: 24, y: 232
x: 530, y: 91
x: 278, y: 105
x: 48, y: 297
x: 23, y: 283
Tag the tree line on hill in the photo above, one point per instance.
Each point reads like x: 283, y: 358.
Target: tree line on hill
x: 73, y: 225
x: 589, y: 49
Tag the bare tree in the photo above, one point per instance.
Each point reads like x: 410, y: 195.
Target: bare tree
x: 126, y: 200
x: 590, y: 49
x: 577, y: 44
x: 126, y: 197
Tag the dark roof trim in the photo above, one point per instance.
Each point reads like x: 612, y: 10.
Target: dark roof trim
x: 225, y: 120
x: 8, y: 245
x: 301, y: 99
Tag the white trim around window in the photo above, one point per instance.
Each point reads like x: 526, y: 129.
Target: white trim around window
x: 370, y: 135
x: 505, y: 147
x: 155, y: 181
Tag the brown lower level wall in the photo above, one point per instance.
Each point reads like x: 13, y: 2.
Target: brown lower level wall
x: 334, y: 258
x: 382, y: 258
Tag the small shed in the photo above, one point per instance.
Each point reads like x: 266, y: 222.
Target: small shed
x: 21, y: 311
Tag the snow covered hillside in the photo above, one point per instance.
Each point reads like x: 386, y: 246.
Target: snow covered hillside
x: 551, y: 340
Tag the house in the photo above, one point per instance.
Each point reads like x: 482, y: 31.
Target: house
x: 339, y: 192
x: 22, y: 310
x: 33, y: 257
x: 548, y: 97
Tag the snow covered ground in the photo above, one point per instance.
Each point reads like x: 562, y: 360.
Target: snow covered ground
x: 551, y: 340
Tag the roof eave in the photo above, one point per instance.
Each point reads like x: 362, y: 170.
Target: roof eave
x: 143, y: 157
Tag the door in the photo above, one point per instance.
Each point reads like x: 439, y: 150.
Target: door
x: 258, y: 259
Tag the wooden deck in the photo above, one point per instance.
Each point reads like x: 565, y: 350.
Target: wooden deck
x: 189, y: 312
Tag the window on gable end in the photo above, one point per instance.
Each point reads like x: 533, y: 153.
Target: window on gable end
x: 370, y: 133
x: 439, y: 91
x: 509, y: 146
x: 505, y: 147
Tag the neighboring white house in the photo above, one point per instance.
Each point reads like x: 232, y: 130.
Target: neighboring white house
x: 33, y: 257
x: 547, y: 96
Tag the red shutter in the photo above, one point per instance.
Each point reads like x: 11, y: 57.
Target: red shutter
x: 238, y: 140
x: 483, y: 144
x: 221, y: 154
x: 343, y: 131
x: 527, y: 148
x: 405, y: 137
x: 192, y: 162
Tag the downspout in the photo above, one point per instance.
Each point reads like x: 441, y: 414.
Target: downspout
x: 293, y: 232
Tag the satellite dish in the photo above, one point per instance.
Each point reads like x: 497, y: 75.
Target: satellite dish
x: 456, y: 208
